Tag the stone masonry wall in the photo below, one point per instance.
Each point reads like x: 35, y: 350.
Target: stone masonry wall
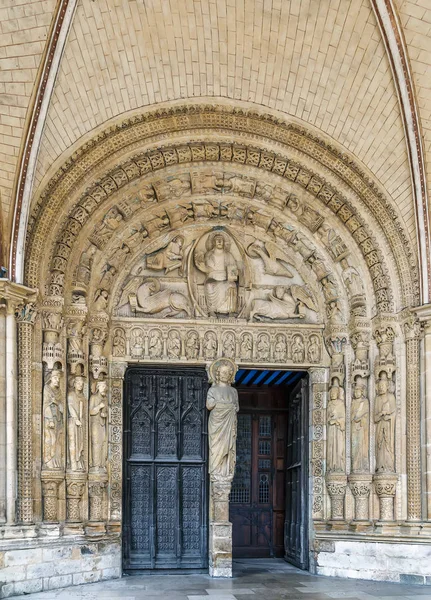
x: 57, y: 565
x: 402, y: 563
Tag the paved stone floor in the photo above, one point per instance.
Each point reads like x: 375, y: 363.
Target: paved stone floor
x: 253, y: 580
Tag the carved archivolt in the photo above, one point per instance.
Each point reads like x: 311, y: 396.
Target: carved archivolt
x: 142, y: 127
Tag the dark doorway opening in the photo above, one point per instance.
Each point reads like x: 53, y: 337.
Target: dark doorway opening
x: 165, y: 494
x: 269, y: 497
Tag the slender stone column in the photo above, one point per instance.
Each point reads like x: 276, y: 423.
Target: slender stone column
x: 26, y: 315
x: 3, y: 312
x: 412, y: 329
x: 318, y: 381
x: 12, y: 294
x: 115, y: 453
x: 424, y: 314
x: 11, y: 437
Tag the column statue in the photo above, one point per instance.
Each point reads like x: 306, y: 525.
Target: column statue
x: 75, y: 413
x: 385, y: 415
x: 222, y: 402
x: 360, y: 417
x: 336, y: 428
x: 98, y: 427
x: 52, y: 422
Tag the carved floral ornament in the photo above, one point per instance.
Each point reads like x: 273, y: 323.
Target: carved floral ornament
x: 133, y: 132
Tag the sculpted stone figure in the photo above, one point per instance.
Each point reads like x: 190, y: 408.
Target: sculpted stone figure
x: 336, y: 412
x: 314, y: 349
x: 297, y: 349
x: 174, y: 345
x: 220, y: 266
x: 119, y: 343
x: 98, y: 427
x: 210, y: 345
x: 360, y: 419
x: 150, y: 299
x: 384, y: 417
x: 192, y: 345
x: 229, y: 345
x: 246, y: 349
x: 84, y: 267
x: 222, y: 402
x: 169, y: 257
x: 280, y: 348
x: 283, y: 303
x: 75, y: 414
x: 52, y: 422
x: 155, y: 346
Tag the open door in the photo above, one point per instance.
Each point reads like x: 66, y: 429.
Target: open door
x: 296, y: 516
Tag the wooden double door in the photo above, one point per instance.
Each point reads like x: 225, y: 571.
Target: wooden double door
x: 165, y: 469
x: 268, y: 501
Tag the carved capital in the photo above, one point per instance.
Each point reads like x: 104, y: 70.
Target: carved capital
x: 118, y: 370
x: 386, y: 486
x: 318, y: 375
x: 336, y: 486
x: 412, y: 328
x: 26, y: 313
x: 360, y: 486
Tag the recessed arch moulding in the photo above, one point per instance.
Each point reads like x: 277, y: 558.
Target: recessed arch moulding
x: 317, y: 273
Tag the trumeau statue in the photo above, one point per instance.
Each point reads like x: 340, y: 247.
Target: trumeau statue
x: 384, y: 417
x: 360, y: 422
x: 336, y: 419
x: 75, y: 416
x: 222, y: 273
x: 52, y: 422
x: 98, y: 427
x: 222, y: 402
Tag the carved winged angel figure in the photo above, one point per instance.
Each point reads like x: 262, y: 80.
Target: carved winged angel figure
x: 283, y: 303
x: 274, y: 260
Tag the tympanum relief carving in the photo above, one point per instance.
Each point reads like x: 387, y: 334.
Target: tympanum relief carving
x: 208, y: 274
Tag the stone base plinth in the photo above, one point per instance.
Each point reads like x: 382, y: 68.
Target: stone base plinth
x: 50, y: 561
x: 220, y: 549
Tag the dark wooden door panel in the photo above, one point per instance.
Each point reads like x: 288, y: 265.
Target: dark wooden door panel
x: 296, y: 522
x: 257, y: 501
x: 166, y: 482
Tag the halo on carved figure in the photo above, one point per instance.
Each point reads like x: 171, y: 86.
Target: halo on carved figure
x: 210, y: 241
x: 213, y: 368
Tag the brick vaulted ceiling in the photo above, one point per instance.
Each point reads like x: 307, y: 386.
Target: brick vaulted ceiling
x: 320, y: 62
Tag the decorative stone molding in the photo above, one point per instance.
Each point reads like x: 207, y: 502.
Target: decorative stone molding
x: 336, y: 485
x: 386, y: 487
x: 115, y: 453
x: 412, y: 332
x: 360, y: 486
x: 215, y: 117
x: 25, y: 316
x: 263, y: 341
